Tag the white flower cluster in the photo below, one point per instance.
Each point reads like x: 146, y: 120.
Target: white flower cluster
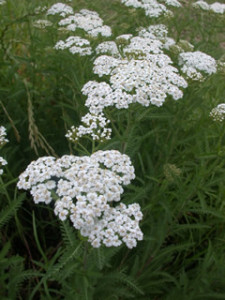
x: 108, y: 47
x: 3, y: 162
x: 142, y: 47
x: 144, y: 81
x: 194, y: 63
x: 87, y: 20
x: 124, y: 37
x: 101, y: 95
x: 61, y: 9
x: 42, y: 24
x: 152, y: 7
x: 93, y: 125
x: 83, y: 189
x: 76, y: 45
x: 158, y: 31
x: 3, y: 141
x: 174, y: 3
x: 216, y: 7
x: 40, y: 9
x: 218, y: 113
x: 136, y: 47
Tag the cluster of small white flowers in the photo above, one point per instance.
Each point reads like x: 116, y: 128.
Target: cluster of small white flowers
x: 152, y: 7
x: 193, y: 63
x: 87, y: 20
x: 218, y: 113
x: 61, y: 9
x: 83, y: 189
x: 40, y: 9
x: 108, y: 47
x: 3, y: 162
x: 158, y: 32
x: 3, y: 139
x: 124, y: 37
x: 104, y: 64
x: 42, y: 24
x: 201, y: 4
x: 140, y: 80
x: 137, y: 47
x: 101, y: 95
x: 174, y: 3
x: 216, y: 7
x: 141, y: 47
x: 122, y: 224
x: 76, y: 45
x: 93, y: 125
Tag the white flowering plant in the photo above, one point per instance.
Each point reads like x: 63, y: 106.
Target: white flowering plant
x: 114, y: 186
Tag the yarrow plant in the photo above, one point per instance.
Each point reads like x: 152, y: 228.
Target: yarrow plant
x: 76, y: 45
x: 196, y: 64
x: 141, y: 168
x: 3, y: 141
x: 144, y: 75
x: 84, y: 189
x: 218, y: 113
x: 60, y: 9
x: 152, y: 7
x: 93, y: 125
x: 216, y: 7
x: 87, y: 20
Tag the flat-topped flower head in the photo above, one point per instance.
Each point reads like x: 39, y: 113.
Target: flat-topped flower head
x: 101, y: 95
x: 124, y: 38
x: 201, y: 4
x: 216, y: 7
x: 76, y: 45
x: 174, y: 3
x: 108, y: 47
x: 152, y: 8
x: 196, y: 64
x: 141, y: 47
x: 94, y: 126
x: 218, y: 113
x: 60, y: 9
x: 3, y: 162
x: 3, y: 139
x: 158, y: 31
x: 146, y: 81
x: 83, y: 190
x: 40, y: 9
x: 87, y: 20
